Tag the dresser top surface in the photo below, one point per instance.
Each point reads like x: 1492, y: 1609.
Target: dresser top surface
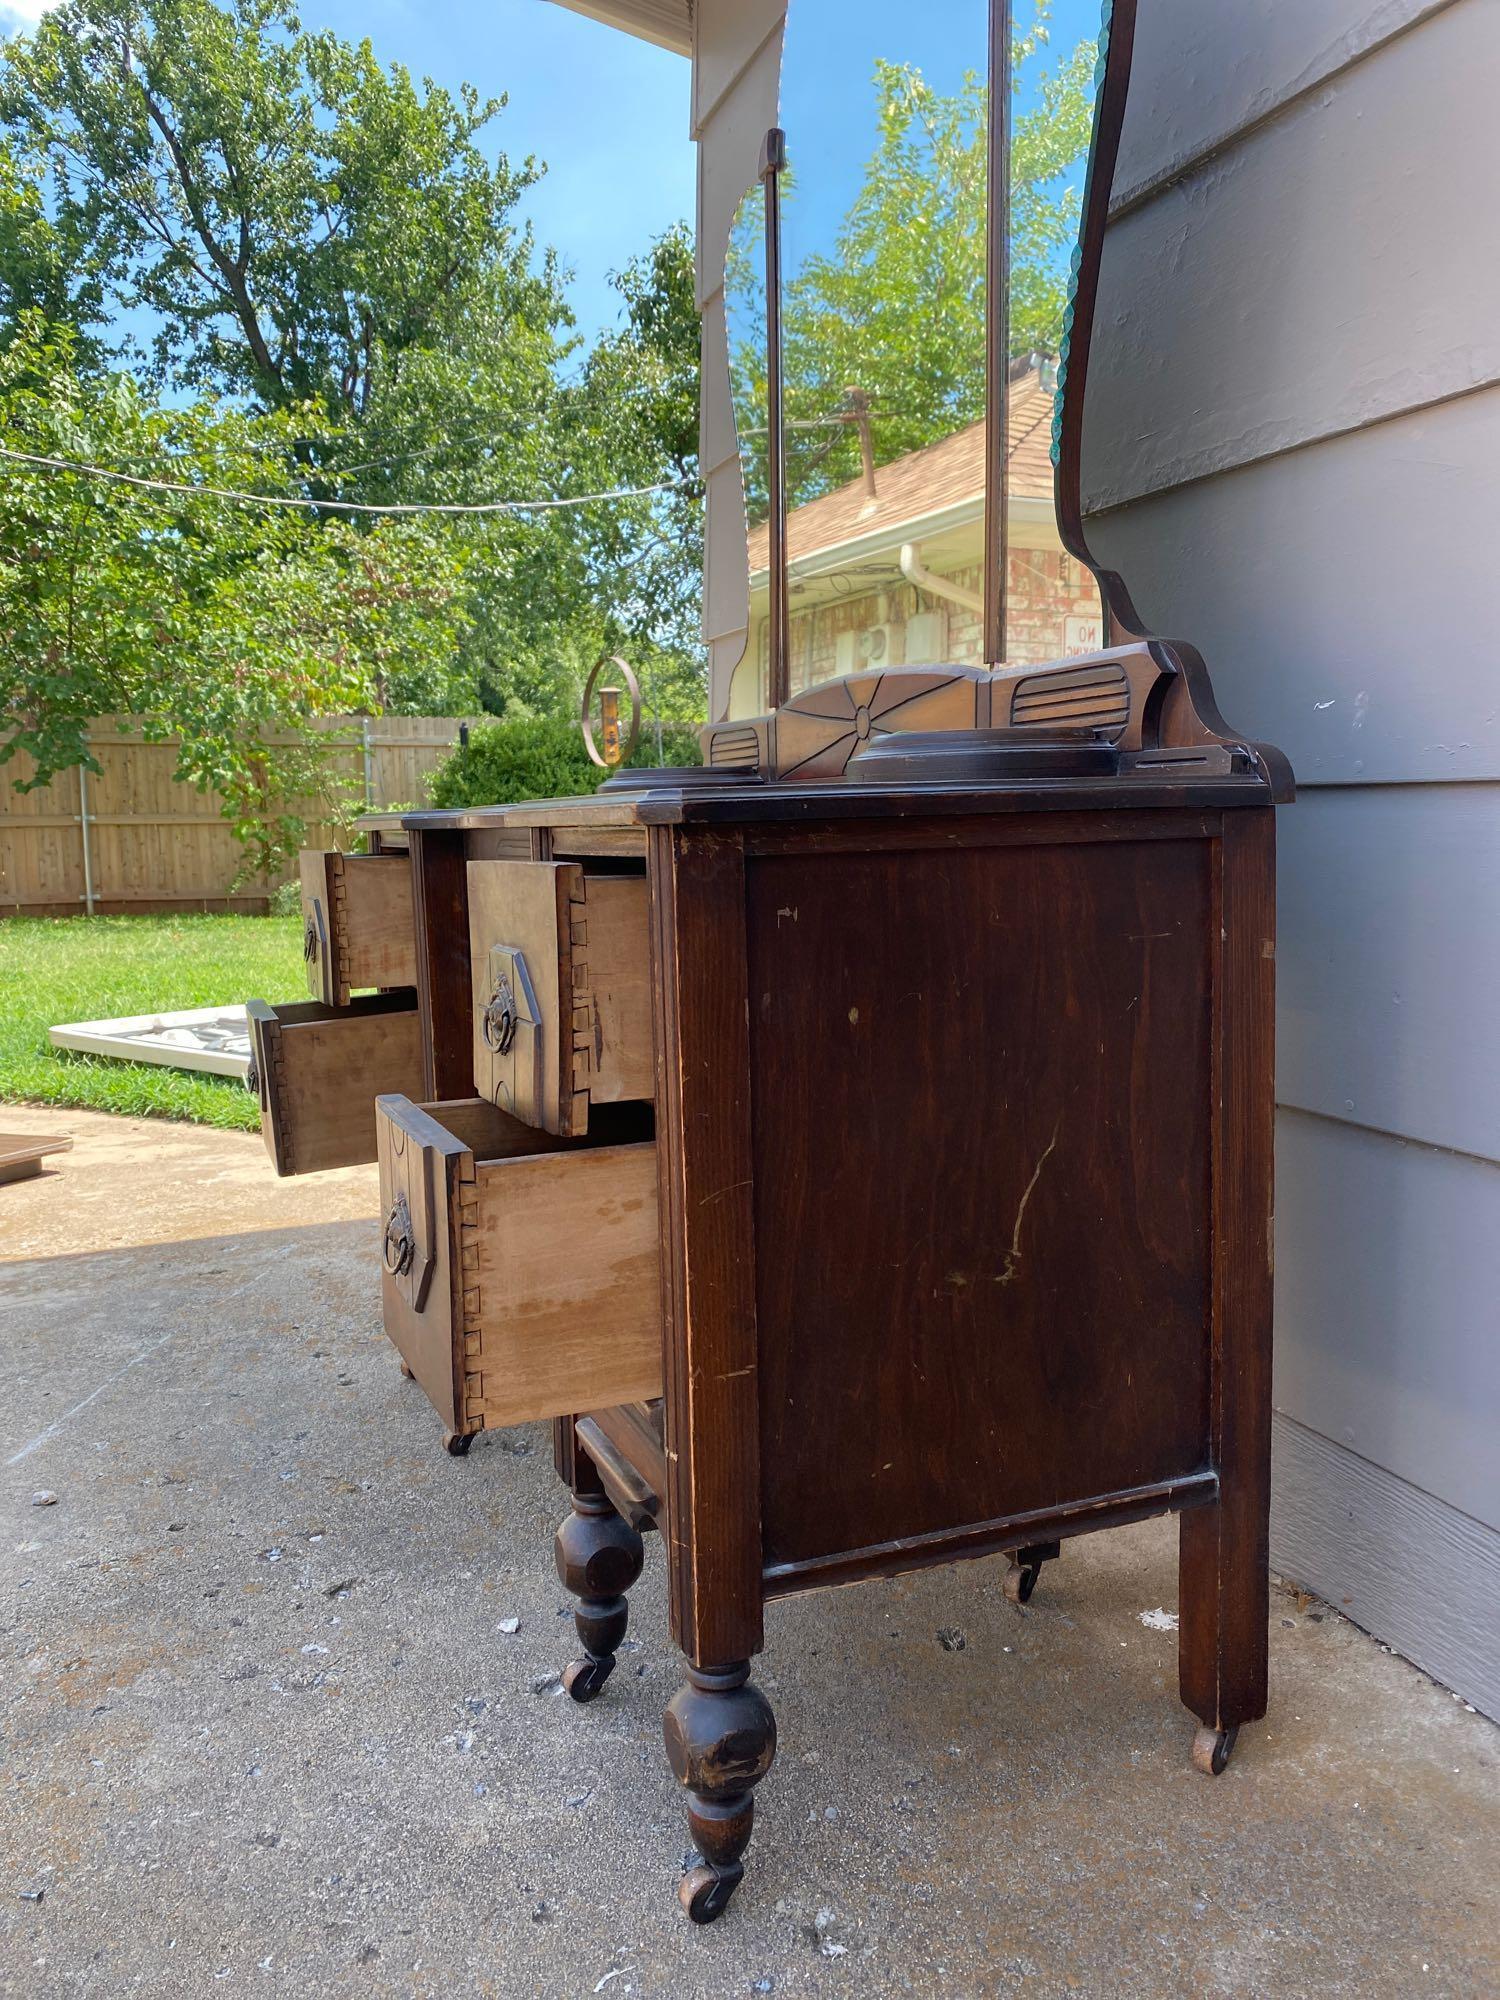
x: 1155, y: 787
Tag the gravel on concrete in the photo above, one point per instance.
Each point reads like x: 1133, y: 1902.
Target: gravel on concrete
x: 280, y: 1707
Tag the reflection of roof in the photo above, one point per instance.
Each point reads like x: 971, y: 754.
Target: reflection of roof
x: 925, y: 482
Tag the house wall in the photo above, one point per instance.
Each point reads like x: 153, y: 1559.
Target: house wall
x: 1292, y: 453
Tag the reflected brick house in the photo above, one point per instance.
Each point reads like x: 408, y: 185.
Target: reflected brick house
x: 895, y: 578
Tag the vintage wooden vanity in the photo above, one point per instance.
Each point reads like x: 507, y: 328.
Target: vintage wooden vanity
x: 859, y: 1147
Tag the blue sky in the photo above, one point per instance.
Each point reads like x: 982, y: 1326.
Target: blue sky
x: 608, y: 114
x: 829, y: 56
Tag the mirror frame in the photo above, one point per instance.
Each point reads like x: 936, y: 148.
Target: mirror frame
x: 1112, y: 88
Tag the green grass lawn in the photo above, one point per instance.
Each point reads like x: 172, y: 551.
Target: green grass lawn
x: 95, y: 968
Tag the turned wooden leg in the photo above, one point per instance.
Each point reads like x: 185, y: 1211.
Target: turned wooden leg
x: 599, y: 1556
x: 721, y: 1738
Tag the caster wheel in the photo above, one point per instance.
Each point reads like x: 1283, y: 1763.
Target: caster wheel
x: 585, y: 1679
x: 456, y: 1443
x: 406, y: 1372
x: 704, y: 1892
x: 1020, y: 1581
x: 1213, y: 1748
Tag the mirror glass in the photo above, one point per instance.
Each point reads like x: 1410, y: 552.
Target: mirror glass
x: 885, y: 209
x: 885, y: 212
x: 1053, y: 607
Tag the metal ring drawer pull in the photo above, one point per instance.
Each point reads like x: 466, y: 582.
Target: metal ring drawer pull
x: 310, y: 938
x: 252, y: 1078
x: 400, y: 1246
x: 500, y: 1019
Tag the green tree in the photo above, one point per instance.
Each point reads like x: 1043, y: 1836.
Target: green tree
x: 561, y: 588
x: 36, y: 272
x: 213, y: 621
x: 294, y: 216
x: 638, y: 405
x: 314, y: 237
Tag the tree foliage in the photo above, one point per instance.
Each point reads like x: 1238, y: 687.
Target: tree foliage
x: 295, y: 217
x: 214, y: 622
x: 204, y: 201
x: 36, y: 273
x: 896, y: 305
x: 540, y: 757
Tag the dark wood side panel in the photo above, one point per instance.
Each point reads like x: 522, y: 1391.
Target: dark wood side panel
x: 713, y: 1536
x: 981, y: 1084
x: 1225, y: 1554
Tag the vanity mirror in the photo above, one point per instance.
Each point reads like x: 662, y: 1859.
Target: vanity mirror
x: 912, y: 345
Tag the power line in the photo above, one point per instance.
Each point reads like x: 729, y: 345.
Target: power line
x: 342, y: 506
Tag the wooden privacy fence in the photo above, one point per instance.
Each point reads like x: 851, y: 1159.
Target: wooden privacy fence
x: 130, y: 839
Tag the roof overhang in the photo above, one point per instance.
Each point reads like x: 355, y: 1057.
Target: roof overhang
x: 668, y: 23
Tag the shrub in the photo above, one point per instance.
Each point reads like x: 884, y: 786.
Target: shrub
x: 540, y: 757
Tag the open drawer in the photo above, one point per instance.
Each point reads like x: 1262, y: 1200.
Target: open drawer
x: 520, y: 1270
x: 318, y: 1071
x: 560, y: 960
x: 357, y: 924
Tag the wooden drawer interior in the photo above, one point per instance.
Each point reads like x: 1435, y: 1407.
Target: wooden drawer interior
x: 318, y: 1071
x: 560, y: 960
x: 520, y: 1269
x: 358, y: 929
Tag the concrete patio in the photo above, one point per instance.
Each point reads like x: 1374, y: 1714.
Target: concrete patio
x: 264, y: 1732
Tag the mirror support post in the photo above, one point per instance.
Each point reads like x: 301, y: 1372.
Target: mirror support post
x: 772, y: 161
x: 997, y: 347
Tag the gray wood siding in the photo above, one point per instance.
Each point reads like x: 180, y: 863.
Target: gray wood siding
x: 1387, y: 1277
x: 1208, y: 70
x: 1311, y: 292
x: 1292, y: 454
x: 1389, y: 955
x: 1343, y: 595
x: 1394, y: 1559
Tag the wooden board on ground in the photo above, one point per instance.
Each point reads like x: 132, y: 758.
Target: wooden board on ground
x: 22, y: 1153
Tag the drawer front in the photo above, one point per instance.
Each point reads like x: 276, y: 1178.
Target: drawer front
x: 358, y: 927
x: 318, y: 1071
x: 562, y: 992
x: 519, y: 1272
